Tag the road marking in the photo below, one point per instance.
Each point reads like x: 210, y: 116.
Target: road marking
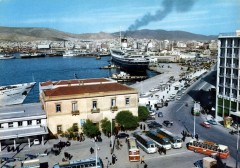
x: 169, y: 155
x: 180, y: 107
x: 202, y: 86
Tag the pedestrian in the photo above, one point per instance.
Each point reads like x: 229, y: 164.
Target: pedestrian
x: 183, y: 138
x: 140, y: 126
x: 164, y: 151
x: 142, y: 160
x: 145, y: 165
x: 144, y: 127
x: 160, y: 150
x: 196, y: 136
x: 126, y: 140
x: 91, y: 150
x: 113, y: 159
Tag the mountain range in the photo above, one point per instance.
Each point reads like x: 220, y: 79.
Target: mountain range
x: 33, y: 34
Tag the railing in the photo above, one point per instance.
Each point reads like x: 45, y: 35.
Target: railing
x: 227, y: 34
x: 114, y: 108
x: 96, y: 110
x: 76, y: 112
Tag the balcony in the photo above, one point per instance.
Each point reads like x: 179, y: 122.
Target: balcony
x: 114, y: 108
x: 95, y: 110
x: 76, y: 112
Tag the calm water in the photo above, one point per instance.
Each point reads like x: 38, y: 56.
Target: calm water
x: 16, y: 71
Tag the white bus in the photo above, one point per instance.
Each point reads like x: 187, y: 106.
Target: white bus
x: 145, y: 142
x: 175, y: 140
x: 34, y: 163
x: 159, y: 139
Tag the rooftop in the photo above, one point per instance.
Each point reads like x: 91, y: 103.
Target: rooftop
x: 83, y: 89
x: 21, y: 110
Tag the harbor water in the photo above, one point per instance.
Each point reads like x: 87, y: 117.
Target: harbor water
x: 18, y: 70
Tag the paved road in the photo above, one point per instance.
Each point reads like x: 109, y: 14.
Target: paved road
x: 182, y: 118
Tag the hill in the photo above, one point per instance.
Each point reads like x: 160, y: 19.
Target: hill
x: 33, y: 34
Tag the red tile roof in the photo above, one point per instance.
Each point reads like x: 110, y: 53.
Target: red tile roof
x: 74, y: 81
x: 74, y: 90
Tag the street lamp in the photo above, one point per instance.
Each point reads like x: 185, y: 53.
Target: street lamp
x: 96, y: 149
x: 237, y: 145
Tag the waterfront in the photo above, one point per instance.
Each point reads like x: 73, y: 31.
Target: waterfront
x: 53, y: 68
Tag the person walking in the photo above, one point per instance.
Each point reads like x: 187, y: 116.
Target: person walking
x: 142, y: 160
x: 113, y: 159
x: 144, y: 127
x: 145, y: 165
x: 91, y: 150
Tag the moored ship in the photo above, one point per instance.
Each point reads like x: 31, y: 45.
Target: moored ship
x: 128, y: 59
x: 6, y: 57
x: 14, y: 94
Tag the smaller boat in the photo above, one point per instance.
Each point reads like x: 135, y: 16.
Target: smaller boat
x: 69, y: 54
x: 7, y: 57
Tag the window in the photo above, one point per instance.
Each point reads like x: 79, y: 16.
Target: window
x: 113, y: 102
x: 58, y: 108
x: 74, y: 106
x: 38, y: 121
x: 59, y: 129
x: 94, y: 105
x: 10, y: 124
x: 29, y: 122
x: 127, y: 101
x: 19, y: 123
x: 1, y: 126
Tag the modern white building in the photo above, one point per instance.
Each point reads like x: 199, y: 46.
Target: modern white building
x: 22, y: 123
x: 228, y: 75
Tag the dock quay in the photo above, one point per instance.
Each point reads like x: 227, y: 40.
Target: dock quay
x: 129, y: 78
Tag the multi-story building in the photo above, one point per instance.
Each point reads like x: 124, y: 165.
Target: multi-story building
x: 74, y: 101
x: 22, y: 123
x: 228, y: 75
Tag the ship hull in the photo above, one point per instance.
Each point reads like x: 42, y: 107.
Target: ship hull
x: 14, y: 94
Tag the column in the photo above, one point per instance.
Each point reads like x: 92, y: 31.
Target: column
x: 29, y: 143
x: 42, y: 140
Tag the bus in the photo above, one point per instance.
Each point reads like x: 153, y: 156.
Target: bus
x: 89, y: 163
x: 159, y: 139
x: 133, y: 151
x: 175, y: 140
x: 145, y: 142
x: 209, y: 148
x: 34, y: 163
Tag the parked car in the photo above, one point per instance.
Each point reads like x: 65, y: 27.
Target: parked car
x: 160, y: 114
x: 198, y: 163
x: 167, y: 123
x: 122, y: 135
x: 36, y: 142
x: 213, y: 122
x: 205, y: 124
x: 156, y: 124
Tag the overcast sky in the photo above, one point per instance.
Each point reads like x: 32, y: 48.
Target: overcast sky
x: 209, y: 17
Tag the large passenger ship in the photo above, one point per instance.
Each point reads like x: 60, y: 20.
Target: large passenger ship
x: 14, y: 94
x: 129, y: 60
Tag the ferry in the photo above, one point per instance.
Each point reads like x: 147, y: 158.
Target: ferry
x: 14, y: 94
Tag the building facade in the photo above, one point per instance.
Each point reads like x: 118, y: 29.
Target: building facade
x: 228, y: 75
x: 22, y: 123
x: 74, y: 101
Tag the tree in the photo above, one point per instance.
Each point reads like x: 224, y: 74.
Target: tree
x: 90, y: 129
x: 106, y: 126
x: 127, y: 120
x: 142, y: 113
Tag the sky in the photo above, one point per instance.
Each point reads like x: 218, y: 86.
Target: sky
x: 208, y: 17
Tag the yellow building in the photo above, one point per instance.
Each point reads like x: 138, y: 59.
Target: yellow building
x: 73, y: 101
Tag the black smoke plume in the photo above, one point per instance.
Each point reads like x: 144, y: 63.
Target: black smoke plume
x: 168, y: 6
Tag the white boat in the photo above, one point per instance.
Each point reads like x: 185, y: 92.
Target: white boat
x: 69, y: 54
x: 14, y: 94
x: 6, y: 56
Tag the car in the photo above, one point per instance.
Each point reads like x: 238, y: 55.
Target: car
x: 36, y: 142
x: 167, y: 123
x: 213, y: 122
x: 122, y: 135
x: 205, y: 124
x: 156, y: 124
x: 178, y: 97
x: 198, y: 163
x: 160, y: 114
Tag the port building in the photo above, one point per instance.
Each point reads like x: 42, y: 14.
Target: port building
x: 69, y: 102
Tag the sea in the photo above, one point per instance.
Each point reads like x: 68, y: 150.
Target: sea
x: 15, y: 71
